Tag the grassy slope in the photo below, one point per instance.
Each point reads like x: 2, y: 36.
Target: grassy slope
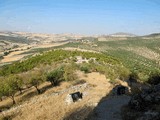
x: 14, y: 39
x: 119, y: 49
x: 50, y: 57
x: 132, y: 60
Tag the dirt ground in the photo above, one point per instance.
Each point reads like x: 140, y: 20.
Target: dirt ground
x: 18, y: 55
x: 14, y: 56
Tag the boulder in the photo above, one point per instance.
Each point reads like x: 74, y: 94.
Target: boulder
x: 73, y: 97
x: 146, y: 98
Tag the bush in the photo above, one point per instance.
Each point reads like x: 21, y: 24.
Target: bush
x: 10, y: 87
x: 36, y: 78
x: 85, y: 69
x: 55, y: 76
x: 154, y: 79
x: 69, y: 73
x: 123, y: 73
x: 1, y: 90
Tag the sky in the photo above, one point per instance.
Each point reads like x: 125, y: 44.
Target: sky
x: 80, y: 16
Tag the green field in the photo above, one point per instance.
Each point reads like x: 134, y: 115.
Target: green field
x: 136, y: 61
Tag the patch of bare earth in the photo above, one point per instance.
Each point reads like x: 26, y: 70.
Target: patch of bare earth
x: 18, y: 55
x: 13, y: 56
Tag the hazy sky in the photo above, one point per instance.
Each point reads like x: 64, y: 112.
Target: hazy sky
x: 80, y: 16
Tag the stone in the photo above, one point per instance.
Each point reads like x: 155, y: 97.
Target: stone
x: 146, y: 98
x: 73, y: 97
x: 76, y: 96
x: 68, y: 99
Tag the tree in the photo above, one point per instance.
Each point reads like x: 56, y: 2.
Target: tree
x: 55, y: 76
x: 19, y: 82
x: 10, y: 88
x: 36, y: 79
x: 1, y: 90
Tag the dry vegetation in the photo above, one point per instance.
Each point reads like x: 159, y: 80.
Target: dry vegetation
x: 49, y: 106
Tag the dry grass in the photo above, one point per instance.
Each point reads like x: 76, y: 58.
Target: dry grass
x: 50, y: 107
x: 18, y: 55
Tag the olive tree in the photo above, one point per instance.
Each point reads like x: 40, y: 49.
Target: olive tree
x: 19, y: 82
x: 36, y: 78
x: 10, y: 88
x: 55, y: 76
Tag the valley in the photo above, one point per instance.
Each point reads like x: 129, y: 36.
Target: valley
x: 39, y: 72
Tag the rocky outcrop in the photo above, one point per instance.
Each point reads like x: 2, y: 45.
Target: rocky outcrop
x: 145, y: 103
x: 150, y: 115
x: 146, y: 98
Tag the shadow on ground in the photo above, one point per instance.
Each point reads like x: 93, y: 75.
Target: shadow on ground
x: 110, y: 106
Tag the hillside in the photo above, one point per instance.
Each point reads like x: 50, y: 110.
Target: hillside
x: 138, y: 54
x: 48, y: 73
x: 11, y: 42
x: 122, y: 34
x: 154, y: 35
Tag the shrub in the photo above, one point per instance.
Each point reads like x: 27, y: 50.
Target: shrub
x: 123, y: 73
x: 10, y: 85
x: 19, y: 82
x: 1, y: 90
x: 85, y: 69
x: 10, y: 88
x: 55, y: 76
x: 69, y: 73
x: 36, y: 79
x: 154, y: 79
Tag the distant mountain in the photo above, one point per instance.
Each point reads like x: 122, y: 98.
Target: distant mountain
x: 121, y: 34
x: 153, y: 35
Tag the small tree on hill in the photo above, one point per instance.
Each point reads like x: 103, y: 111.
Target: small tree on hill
x: 36, y: 79
x: 19, y: 82
x: 10, y: 88
x: 56, y: 76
